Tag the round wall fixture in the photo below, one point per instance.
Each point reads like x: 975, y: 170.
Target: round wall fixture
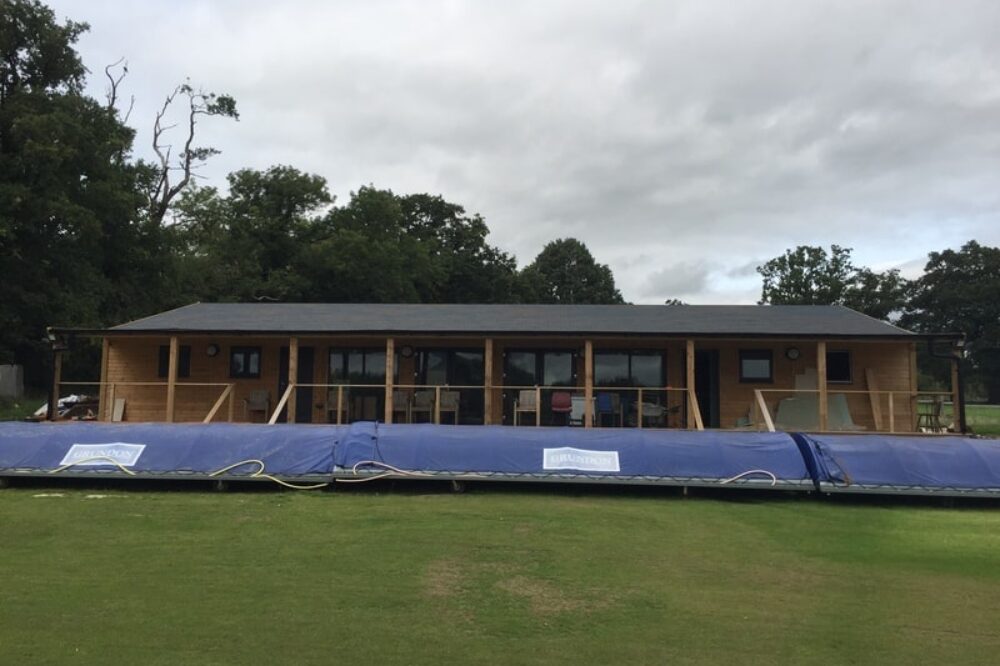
x: 212, y: 350
x: 792, y: 353
x: 406, y: 351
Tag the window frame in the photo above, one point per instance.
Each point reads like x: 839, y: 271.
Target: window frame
x: 850, y: 367
x: 757, y: 355
x: 363, y: 352
x: 630, y: 354
x: 246, y: 352
x: 183, y: 361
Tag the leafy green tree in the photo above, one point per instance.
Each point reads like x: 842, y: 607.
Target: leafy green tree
x: 245, y: 246
x: 566, y: 272
x: 65, y: 189
x: 960, y: 292
x: 808, y: 275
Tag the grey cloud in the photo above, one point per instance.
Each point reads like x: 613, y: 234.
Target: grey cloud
x: 670, y: 137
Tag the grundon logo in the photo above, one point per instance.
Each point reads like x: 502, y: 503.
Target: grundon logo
x: 567, y: 457
x: 108, y: 453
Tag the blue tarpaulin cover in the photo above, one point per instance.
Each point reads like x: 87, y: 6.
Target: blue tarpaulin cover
x: 286, y: 450
x: 873, y: 462
x: 676, y: 454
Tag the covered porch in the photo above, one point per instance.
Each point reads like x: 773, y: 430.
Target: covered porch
x: 574, y: 381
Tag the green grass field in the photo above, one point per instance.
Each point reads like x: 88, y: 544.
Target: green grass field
x: 497, y: 575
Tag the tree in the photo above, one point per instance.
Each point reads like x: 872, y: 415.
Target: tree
x: 245, y: 246
x: 960, y: 292
x: 808, y: 275
x: 64, y: 188
x: 565, y: 272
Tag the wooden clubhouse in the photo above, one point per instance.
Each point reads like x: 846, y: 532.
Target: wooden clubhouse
x: 798, y: 368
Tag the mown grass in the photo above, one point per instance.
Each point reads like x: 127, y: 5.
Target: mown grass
x: 493, y: 576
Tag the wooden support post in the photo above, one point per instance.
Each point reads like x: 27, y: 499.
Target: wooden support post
x: 765, y: 412
x: 955, y: 397
x: 293, y: 376
x: 437, y: 405
x: 488, y: 381
x: 390, y: 361
x: 588, y: 384
x: 172, y: 378
x: 281, y: 404
x: 824, y: 404
x: 689, y: 382
x: 892, y: 414
x: 340, y: 404
x: 56, y: 381
x: 874, y: 397
x: 538, y: 406
x: 104, y: 406
x: 638, y: 411
x: 914, y: 375
x: 232, y: 402
x: 698, y: 423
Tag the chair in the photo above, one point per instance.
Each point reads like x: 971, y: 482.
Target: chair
x: 258, y: 401
x: 562, y: 403
x: 449, y: 403
x: 930, y: 420
x: 579, y: 412
x: 401, y: 404
x: 608, y: 404
x: 423, y: 403
x: 525, y: 402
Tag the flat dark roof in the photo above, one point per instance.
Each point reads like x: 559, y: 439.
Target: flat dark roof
x: 457, y: 319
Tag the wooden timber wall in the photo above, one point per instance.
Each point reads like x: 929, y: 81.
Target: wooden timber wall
x: 135, y: 359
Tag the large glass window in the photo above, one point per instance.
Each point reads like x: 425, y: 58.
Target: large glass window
x: 557, y: 369
x: 640, y: 369
x: 521, y: 369
x: 357, y: 366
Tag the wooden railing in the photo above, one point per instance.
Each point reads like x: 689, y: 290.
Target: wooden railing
x: 108, y: 392
x: 761, y: 413
x: 339, y: 404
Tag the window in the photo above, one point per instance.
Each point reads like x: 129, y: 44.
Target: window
x: 437, y: 367
x: 838, y: 367
x: 756, y: 365
x: 645, y: 369
x: 244, y: 362
x: 541, y: 368
x: 358, y: 366
x: 183, y: 361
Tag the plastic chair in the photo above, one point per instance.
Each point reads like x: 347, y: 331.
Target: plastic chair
x: 257, y: 401
x: 562, y: 403
x: 608, y: 403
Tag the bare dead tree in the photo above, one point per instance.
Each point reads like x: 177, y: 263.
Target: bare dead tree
x: 164, y: 188
x: 114, y: 80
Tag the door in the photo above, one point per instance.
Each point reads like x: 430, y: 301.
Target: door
x: 706, y: 386
x: 303, y: 395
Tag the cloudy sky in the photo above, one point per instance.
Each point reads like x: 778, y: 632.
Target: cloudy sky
x: 684, y: 142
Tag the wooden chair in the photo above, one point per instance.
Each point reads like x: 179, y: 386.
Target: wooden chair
x: 525, y: 402
x: 401, y: 404
x: 449, y: 403
x: 423, y: 403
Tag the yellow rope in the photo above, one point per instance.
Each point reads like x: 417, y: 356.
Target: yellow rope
x: 259, y: 474
x: 91, y: 459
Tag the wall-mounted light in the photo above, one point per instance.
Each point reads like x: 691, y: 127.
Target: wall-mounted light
x: 792, y: 353
x: 212, y: 349
x: 406, y: 351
